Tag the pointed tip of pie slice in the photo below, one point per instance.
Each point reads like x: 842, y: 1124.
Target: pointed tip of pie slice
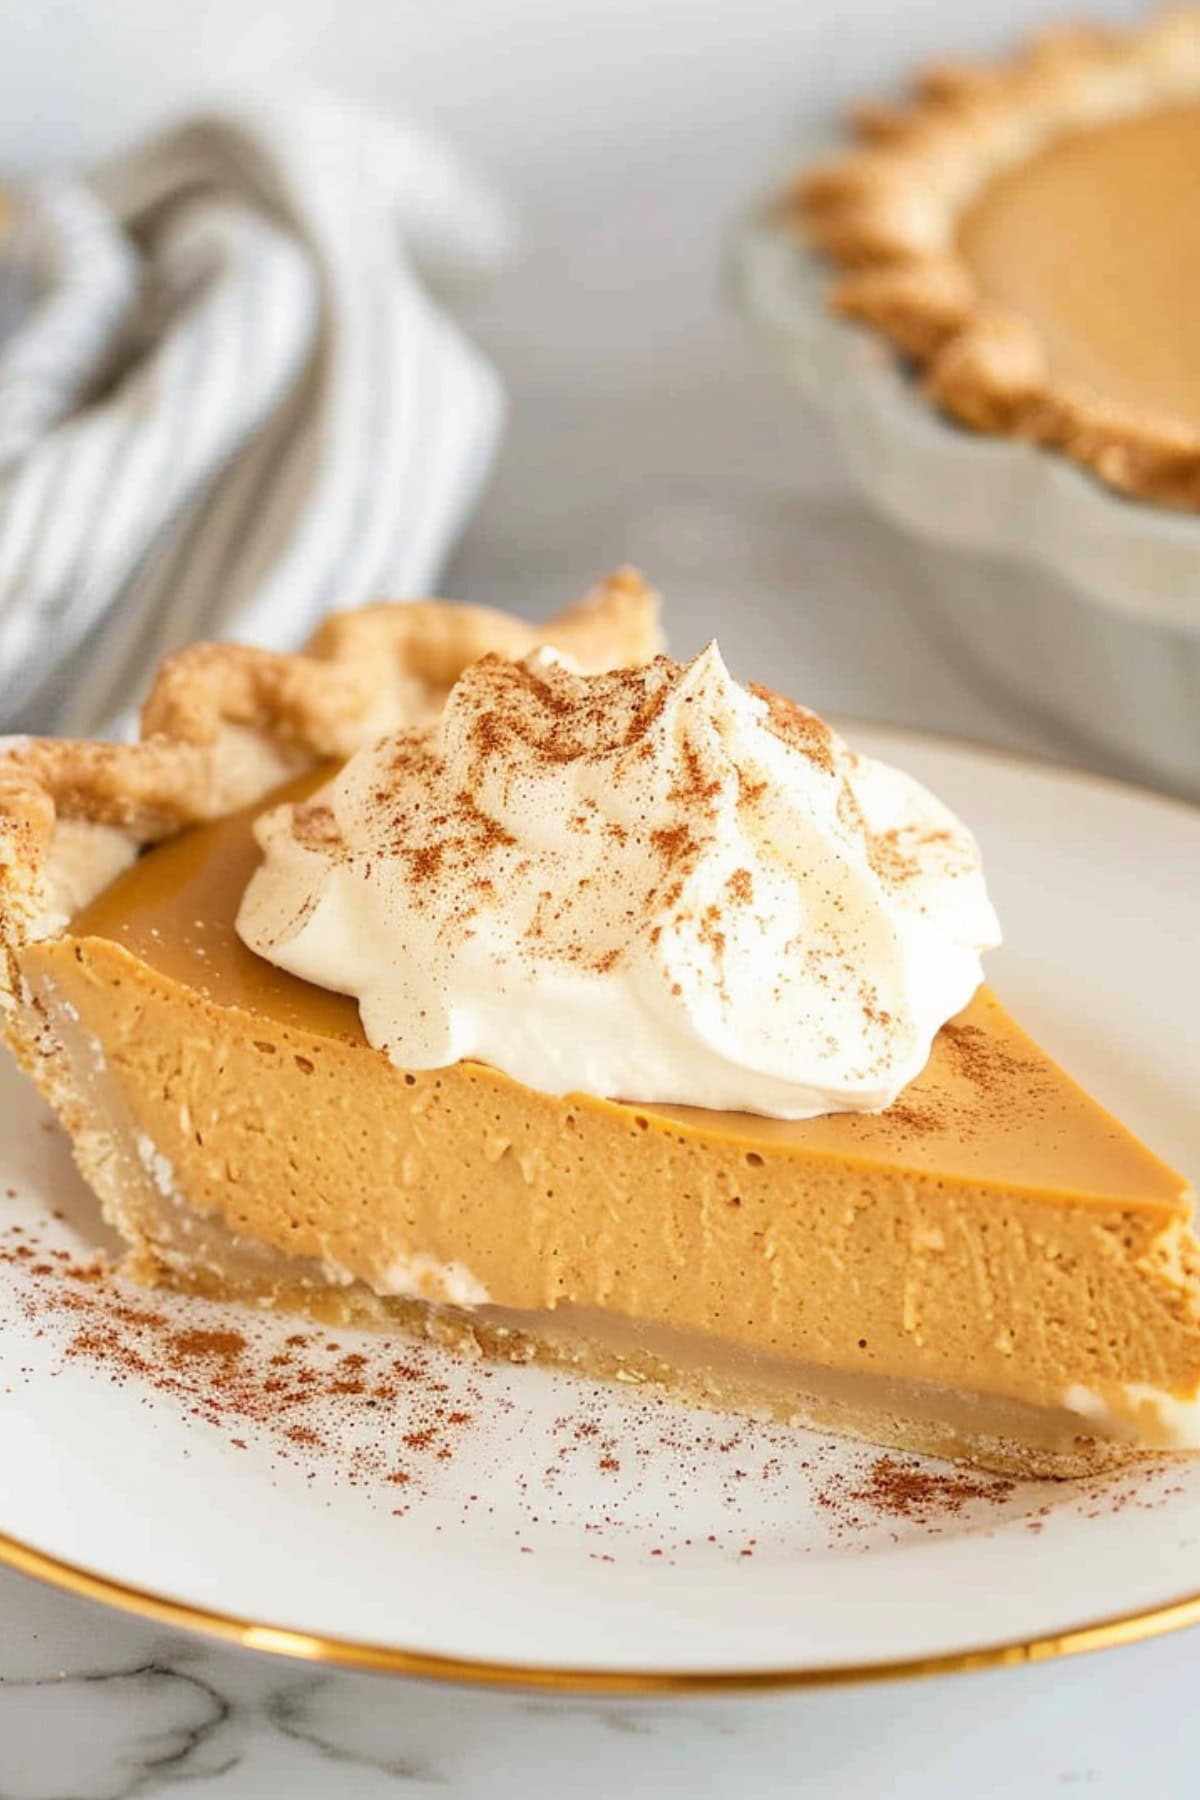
x: 990, y: 1109
x: 1055, y: 1134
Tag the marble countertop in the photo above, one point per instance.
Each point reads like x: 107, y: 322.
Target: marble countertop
x: 643, y: 430
x: 94, y: 1706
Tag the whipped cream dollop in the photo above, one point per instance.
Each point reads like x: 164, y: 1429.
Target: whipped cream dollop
x: 650, y: 885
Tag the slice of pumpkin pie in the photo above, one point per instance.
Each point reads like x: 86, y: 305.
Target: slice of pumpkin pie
x: 608, y: 1013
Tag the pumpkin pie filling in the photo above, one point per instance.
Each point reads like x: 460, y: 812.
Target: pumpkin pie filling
x: 993, y: 1267
x: 1096, y: 240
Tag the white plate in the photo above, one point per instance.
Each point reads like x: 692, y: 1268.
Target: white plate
x: 605, y: 1537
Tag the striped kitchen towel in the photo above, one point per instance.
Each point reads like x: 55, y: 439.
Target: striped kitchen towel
x: 228, y: 398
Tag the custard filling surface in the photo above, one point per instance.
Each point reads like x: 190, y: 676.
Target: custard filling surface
x: 984, y: 1107
x: 1096, y: 240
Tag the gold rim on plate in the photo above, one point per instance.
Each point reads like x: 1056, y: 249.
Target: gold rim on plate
x: 347, y: 1653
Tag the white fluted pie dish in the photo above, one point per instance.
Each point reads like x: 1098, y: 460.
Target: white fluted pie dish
x: 1083, y: 606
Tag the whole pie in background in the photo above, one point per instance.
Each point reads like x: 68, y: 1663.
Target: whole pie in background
x: 1027, y: 233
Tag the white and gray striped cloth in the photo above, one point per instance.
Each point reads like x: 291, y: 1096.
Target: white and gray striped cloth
x: 228, y: 400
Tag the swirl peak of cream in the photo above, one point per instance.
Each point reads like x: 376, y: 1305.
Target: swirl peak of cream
x: 651, y: 885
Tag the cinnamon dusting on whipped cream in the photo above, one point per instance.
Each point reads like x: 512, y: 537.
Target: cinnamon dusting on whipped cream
x: 649, y: 884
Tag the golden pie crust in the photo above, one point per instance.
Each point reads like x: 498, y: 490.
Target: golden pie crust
x: 908, y: 215
x: 226, y: 723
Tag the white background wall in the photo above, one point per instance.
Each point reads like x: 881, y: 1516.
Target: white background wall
x: 545, y: 87
x: 628, y: 133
